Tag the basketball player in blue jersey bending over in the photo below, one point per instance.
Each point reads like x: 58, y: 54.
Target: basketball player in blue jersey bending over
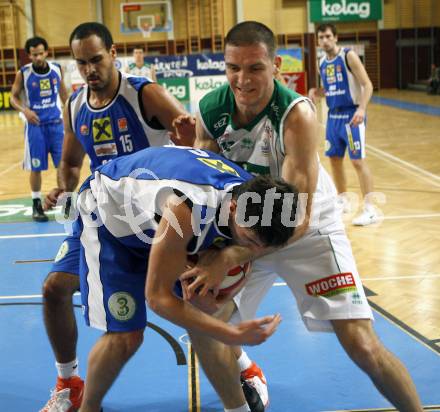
x: 112, y: 115
x: 347, y: 89
x: 144, y: 208
x: 44, y: 92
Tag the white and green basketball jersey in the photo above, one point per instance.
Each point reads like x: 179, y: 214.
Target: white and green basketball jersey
x: 144, y: 71
x: 258, y: 147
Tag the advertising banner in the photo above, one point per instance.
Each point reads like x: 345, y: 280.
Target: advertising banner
x: 199, y: 86
x: 177, y: 86
x: 208, y: 64
x: 296, y: 81
x: 5, y: 95
x: 345, y: 10
x: 292, y: 60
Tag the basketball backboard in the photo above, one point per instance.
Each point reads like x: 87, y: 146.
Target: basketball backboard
x: 147, y: 16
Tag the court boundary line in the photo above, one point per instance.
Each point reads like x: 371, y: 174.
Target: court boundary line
x: 407, y: 166
x: 33, y: 235
x: 8, y: 169
x: 425, y: 408
x: 419, y: 216
x: 428, y: 343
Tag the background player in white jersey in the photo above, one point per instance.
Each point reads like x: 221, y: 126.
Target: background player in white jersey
x: 183, y: 210
x: 348, y: 90
x: 274, y: 130
x: 112, y: 115
x: 139, y: 67
x: 44, y: 92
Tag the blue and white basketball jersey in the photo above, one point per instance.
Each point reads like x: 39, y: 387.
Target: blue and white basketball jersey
x: 117, y: 129
x: 128, y: 193
x: 42, y: 92
x: 342, y: 90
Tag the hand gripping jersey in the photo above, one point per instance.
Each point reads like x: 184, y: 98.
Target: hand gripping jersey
x: 259, y: 146
x: 342, y: 90
x: 117, y: 129
x: 42, y: 92
x: 128, y: 193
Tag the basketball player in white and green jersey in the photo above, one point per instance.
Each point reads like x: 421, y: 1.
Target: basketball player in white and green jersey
x: 258, y: 123
x: 139, y: 67
x: 257, y: 147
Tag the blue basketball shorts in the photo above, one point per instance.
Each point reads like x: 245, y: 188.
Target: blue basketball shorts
x: 112, y: 278
x: 340, y: 135
x: 67, y: 258
x: 39, y: 142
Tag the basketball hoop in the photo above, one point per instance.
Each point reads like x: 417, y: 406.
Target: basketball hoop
x: 146, y: 25
x: 146, y: 29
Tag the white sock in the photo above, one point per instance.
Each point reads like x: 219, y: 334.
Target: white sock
x: 243, y: 361
x: 66, y: 370
x: 36, y: 195
x: 244, y: 408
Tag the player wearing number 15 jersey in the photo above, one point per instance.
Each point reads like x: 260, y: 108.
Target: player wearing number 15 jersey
x: 113, y: 115
x: 119, y: 127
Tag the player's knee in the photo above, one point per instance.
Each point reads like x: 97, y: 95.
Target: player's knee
x: 59, y: 286
x: 127, y: 342
x: 358, y: 164
x: 365, y: 352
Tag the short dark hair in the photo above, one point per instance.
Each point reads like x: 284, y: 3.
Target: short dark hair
x: 275, y: 232
x: 85, y: 30
x: 138, y: 47
x: 34, y: 42
x: 324, y: 26
x: 252, y: 32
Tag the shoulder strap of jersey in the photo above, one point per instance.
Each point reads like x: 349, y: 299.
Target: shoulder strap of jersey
x: 346, y: 51
x: 215, y: 110
x: 72, y: 99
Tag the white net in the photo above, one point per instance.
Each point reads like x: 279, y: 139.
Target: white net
x: 146, y: 25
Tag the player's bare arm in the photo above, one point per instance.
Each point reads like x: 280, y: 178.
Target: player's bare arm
x: 17, y: 88
x: 359, y: 72
x: 68, y: 172
x: 316, y: 93
x: 72, y: 157
x: 203, y: 139
x: 64, y: 95
x: 163, y: 272
x: 300, y: 166
x: 159, y: 103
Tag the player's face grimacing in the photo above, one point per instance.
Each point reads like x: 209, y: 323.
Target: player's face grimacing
x: 38, y: 56
x: 250, y: 72
x: 95, y: 63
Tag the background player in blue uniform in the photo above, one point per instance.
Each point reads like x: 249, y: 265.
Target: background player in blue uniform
x: 347, y: 89
x: 111, y: 116
x: 41, y: 84
x: 136, y: 212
